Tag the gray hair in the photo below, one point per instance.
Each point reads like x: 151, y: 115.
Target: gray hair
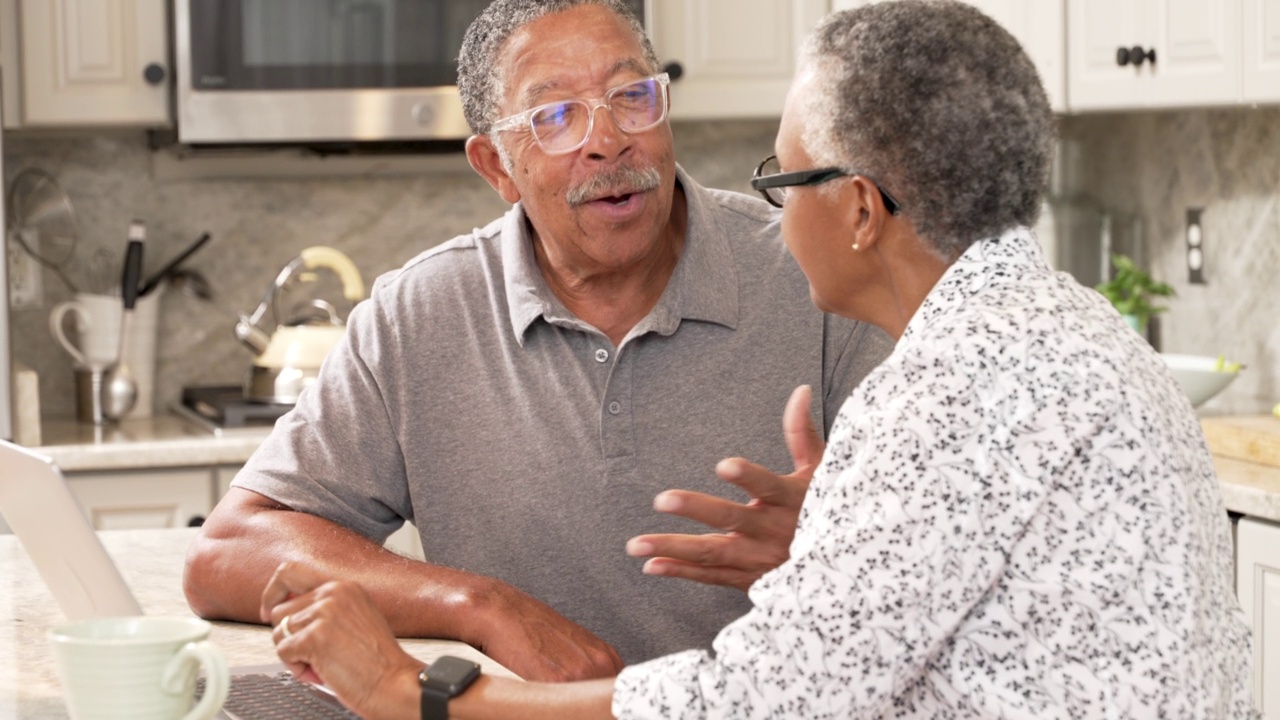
x: 480, y: 85
x: 939, y: 104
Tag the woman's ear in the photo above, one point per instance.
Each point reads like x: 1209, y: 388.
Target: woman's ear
x: 487, y: 161
x: 864, y: 212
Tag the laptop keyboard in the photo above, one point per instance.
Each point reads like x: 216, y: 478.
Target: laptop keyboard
x: 278, y: 697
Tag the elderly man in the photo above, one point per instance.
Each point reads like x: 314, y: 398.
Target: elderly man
x: 1016, y: 515
x: 522, y: 393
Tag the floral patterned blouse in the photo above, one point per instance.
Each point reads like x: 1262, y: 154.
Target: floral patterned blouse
x: 1016, y: 516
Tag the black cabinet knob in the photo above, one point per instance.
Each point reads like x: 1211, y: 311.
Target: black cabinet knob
x: 1135, y: 55
x: 153, y: 73
x: 196, y: 521
x: 673, y: 69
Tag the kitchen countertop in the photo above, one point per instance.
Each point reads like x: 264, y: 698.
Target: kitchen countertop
x: 151, y: 563
x: 1249, y: 488
x: 169, y: 440
x: 166, y: 440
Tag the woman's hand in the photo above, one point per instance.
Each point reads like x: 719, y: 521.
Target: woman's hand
x: 331, y: 632
x: 756, y: 535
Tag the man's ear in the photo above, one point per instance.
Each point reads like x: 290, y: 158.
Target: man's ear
x: 485, y: 160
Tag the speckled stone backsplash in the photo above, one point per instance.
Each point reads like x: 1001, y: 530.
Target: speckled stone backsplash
x: 1227, y: 162
x: 1151, y: 165
x: 258, y: 225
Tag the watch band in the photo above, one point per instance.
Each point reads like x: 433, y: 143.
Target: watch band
x: 435, y: 701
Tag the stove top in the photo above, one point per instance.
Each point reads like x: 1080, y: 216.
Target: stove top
x: 224, y: 406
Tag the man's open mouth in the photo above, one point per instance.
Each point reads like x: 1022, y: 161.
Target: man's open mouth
x: 615, y: 199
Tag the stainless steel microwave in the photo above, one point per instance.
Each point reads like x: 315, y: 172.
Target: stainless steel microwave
x: 321, y: 71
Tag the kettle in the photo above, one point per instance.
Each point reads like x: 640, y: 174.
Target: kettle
x: 287, y: 359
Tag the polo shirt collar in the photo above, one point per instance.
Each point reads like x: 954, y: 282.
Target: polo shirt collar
x: 703, y: 287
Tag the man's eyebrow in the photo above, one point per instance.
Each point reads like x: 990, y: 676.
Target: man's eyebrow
x: 532, y: 95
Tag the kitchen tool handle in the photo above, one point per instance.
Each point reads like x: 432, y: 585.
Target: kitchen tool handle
x: 163, y: 273
x: 132, y: 274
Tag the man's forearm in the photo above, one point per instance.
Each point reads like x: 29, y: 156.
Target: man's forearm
x: 247, y: 537
x: 229, y: 563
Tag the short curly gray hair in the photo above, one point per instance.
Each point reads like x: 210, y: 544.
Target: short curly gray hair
x: 942, y: 106
x: 478, y: 81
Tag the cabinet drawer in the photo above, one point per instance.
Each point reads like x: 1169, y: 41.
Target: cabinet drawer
x: 136, y: 499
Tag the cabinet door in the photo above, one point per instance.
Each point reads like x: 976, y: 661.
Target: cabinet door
x: 737, y: 56
x: 1258, y: 587
x: 1260, y: 56
x: 84, y: 61
x: 222, y: 477
x: 1041, y: 27
x: 1197, y: 46
x: 1198, y: 53
x: 9, y: 66
x: 1096, y: 29
x: 144, y: 498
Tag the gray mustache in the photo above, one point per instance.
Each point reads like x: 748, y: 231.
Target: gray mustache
x: 619, y: 181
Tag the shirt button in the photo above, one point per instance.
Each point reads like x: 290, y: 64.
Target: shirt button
x: 615, y: 407
x: 602, y: 355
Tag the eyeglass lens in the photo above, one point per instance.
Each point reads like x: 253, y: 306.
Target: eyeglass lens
x: 776, y: 195
x: 634, y: 107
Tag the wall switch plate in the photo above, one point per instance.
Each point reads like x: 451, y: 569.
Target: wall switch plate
x: 26, y: 289
x: 1195, y: 247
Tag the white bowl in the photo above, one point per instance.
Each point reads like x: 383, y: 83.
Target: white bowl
x: 1198, y: 376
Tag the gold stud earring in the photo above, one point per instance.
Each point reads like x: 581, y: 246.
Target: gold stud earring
x: 855, y: 247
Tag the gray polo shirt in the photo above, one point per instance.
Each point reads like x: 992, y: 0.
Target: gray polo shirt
x: 526, y: 447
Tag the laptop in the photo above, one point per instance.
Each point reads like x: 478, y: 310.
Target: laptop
x: 37, y: 504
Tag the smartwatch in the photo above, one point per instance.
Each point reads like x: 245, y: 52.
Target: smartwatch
x: 445, y: 678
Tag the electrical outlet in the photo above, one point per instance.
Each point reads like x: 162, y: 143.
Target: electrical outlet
x: 26, y: 288
x: 1195, y: 247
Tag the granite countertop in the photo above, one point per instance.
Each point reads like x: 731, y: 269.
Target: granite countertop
x: 166, y: 440
x: 1249, y: 488
x: 151, y: 562
x: 170, y: 440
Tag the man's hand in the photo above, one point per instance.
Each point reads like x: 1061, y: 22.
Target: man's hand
x: 537, y: 643
x: 332, y: 632
x: 757, y: 535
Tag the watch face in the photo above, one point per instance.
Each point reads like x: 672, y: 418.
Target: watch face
x: 452, y: 674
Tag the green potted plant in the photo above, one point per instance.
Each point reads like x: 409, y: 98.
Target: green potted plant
x: 1131, y: 290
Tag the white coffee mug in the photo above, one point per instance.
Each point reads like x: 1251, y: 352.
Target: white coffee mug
x: 97, y: 328
x: 139, y: 668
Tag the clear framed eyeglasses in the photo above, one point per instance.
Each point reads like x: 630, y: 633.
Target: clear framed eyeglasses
x: 773, y: 184
x: 564, y: 126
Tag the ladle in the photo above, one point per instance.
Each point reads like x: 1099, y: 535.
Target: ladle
x: 119, y: 389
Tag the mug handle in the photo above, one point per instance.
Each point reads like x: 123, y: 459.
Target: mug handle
x: 55, y: 326
x: 217, y: 680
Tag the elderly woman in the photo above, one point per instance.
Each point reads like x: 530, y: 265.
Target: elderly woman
x: 1016, y: 514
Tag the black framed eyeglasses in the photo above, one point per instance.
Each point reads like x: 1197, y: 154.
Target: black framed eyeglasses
x: 772, y: 184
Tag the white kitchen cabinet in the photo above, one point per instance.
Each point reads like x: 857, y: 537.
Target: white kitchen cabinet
x: 1260, y: 58
x: 137, y: 499
x: 9, y: 67
x: 1258, y: 587
x: 222, y: 477
x: 737, y: 57
x: 95, y: 63
x: 1039, y: 25
x: 1196, y: 46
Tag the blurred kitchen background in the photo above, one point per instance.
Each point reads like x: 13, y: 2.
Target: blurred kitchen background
x: 1152, y: 166
x: 1135, y: 171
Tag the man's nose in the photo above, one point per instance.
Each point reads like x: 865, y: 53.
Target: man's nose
x: 607, y: 139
